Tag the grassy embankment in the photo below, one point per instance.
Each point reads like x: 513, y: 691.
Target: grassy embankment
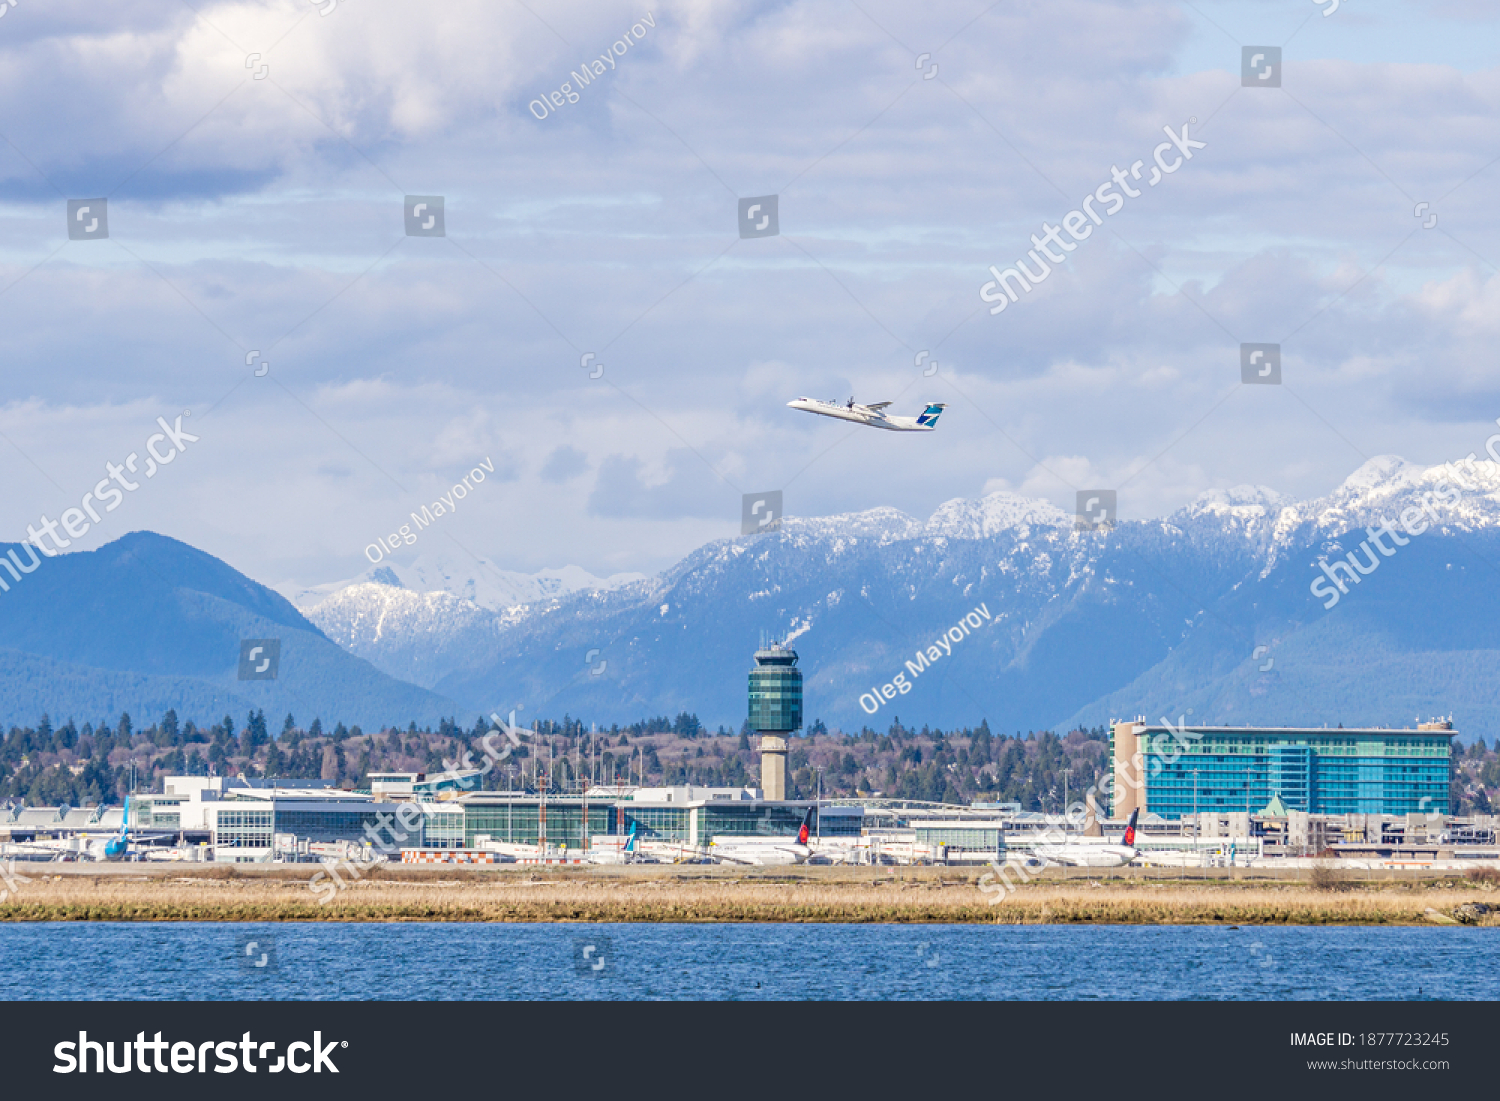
x: 736, y: 895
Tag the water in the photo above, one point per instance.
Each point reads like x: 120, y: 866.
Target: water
x: 209, y: 961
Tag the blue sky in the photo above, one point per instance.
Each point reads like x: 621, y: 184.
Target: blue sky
x: 266, y: 215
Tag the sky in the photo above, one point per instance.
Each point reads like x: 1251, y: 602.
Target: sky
x: 593, y: 332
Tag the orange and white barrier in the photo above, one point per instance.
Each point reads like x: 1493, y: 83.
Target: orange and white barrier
x: 447, y: 856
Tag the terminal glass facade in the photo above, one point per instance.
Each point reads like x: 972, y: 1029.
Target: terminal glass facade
x: 750, y: 820
x: 660, y: 823
x: 981, y: 839
x: 529, y: 822
x: 331, y: 825
x: 243, y: 829
x: 1320, y: 771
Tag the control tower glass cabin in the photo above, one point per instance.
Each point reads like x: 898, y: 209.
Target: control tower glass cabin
x: 775, y: 691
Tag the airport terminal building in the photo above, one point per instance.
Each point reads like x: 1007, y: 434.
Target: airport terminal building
x: 1177, y: 772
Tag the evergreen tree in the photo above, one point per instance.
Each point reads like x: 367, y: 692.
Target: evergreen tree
x: 255, y: 732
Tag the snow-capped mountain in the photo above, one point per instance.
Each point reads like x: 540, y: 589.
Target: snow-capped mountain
x: 1208, y: 608
x: 478, y: 581
x: 427, y: 619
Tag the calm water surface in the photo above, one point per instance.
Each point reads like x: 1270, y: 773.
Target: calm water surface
x: 208, y: 961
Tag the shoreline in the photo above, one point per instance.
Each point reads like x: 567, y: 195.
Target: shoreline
x: 696, y: 894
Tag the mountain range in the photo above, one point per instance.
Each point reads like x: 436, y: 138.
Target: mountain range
x: 1207, y: 613
x: 147, y: 623
x: 1004, y: 611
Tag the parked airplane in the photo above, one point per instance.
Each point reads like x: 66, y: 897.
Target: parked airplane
x: 91, y: 846
x: 1079, y: 854
x: 872, y: 415
x: 626, y: 854
x: 118, y: 846
x: 738, y: 850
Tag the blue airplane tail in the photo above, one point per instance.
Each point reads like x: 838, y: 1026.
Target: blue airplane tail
x: 930, y: 415
x: 630, y: 841
x: 119, y: 844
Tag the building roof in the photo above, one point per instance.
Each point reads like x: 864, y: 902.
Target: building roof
x: 100, y: 818
x: 1430, y: 730
x: 1275, y: 808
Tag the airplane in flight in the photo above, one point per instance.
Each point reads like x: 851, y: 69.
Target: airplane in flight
x: 1078, y: 854
x: 872, y: 416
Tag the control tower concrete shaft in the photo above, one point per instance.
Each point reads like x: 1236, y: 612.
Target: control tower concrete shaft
x: 775, y: 711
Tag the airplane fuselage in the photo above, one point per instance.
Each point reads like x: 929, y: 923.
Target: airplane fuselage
x: 870, y: 416
x: 1087, y: 856
x: 766, y: 855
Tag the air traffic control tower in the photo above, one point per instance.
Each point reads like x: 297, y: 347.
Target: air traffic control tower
x: 775, y: 711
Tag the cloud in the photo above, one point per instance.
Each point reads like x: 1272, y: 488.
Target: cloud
x: 564, y: 464
x: 681, y: 487
x: 266, y: 215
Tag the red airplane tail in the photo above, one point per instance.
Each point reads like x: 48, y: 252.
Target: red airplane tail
x: 1129, y: 841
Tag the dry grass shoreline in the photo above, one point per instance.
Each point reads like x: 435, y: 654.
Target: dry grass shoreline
x: 682, y: 894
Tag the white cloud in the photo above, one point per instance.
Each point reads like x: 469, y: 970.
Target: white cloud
x: 273, y: 222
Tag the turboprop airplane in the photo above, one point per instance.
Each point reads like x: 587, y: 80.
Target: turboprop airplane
x: 873, y: 416
x: 1080, y: 854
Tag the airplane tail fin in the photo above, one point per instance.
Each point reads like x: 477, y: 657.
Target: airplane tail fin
x: 929, y: 417
x: 806, y: 829
x: 630, y: 841
x: 125, y: 819
x: 1129, y: 841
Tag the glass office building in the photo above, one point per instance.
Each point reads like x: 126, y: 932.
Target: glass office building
x: 1223, y: 769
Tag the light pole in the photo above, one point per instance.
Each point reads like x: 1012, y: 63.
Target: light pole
x: 818, y: 802
x: 1066, y: 773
